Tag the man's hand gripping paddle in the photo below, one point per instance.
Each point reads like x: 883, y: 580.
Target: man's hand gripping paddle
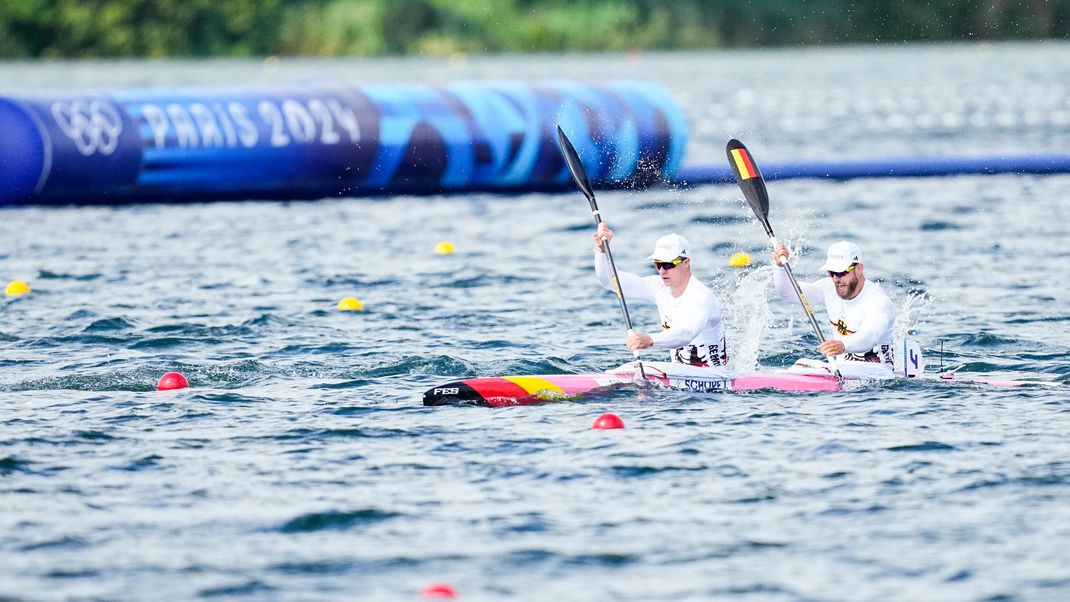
x: 753, y: 186
x: 579, y: 174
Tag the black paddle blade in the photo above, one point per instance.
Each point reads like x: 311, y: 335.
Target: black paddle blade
x: 575, y: 167
x: 750, y: 181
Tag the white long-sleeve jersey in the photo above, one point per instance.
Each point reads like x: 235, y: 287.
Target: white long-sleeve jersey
x: 692, y: 324
x: 864, y: 324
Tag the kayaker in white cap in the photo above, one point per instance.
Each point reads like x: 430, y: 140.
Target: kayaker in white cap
x: 861, y: 314
x: 691, y: 319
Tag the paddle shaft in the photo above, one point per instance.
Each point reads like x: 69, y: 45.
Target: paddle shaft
x: 616, y: 287
x: 616, y: 281
x: 802, y: 297
x: 751, y: 182
x: 579, y: 175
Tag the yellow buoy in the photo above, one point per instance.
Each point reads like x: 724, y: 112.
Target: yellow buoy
x: 350, y: 304
x: 16, y: 288
x: 740, y: 260
x: 444, y: 248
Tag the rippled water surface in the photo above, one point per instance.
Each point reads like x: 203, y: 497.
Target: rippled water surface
x: 301, y: 465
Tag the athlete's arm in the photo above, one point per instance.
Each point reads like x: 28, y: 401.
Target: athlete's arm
x: 782, y: 283
x: 786, y: 291
x: 631, y: 285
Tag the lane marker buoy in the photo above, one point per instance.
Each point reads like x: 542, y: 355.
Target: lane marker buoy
x: 350, y: 304
x: 170, y: 381
x: 741, y: 259
x: 16, y: 288
x: 608, y: 421
x: 439, y: 590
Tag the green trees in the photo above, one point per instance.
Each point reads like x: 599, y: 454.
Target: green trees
x: 156, y: 28
x: 138, y: 28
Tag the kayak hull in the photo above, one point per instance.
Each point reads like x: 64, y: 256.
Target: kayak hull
x: 806, y: 376
x: 526, y: 390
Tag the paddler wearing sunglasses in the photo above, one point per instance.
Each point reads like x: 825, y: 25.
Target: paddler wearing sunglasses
x: 691, y: 319
x: 861, y: 316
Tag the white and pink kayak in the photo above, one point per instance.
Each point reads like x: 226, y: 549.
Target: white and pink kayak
x: 804, y: 376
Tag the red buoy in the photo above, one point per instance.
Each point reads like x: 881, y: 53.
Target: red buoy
x: 439, y: 590
x: 172, y: 380
x: 608, y: 421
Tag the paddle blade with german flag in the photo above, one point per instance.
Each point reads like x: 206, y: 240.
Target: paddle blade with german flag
x: 750, y: 180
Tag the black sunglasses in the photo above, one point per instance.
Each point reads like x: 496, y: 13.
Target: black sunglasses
x: 668, y: 265
x: 849, y: 269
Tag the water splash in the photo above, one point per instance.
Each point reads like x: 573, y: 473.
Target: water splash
x: 908, y: 319
x: 909, y: 315
x: 748, y: 317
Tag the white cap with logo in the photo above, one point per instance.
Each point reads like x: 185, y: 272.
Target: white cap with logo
x: 670, y: 247
x: 842, y: 255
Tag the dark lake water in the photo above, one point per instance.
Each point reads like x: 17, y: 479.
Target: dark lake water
x: 300, y: 464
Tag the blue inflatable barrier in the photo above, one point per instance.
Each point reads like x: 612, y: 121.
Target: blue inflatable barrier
x: 328, y: 140
x: 886, y: 168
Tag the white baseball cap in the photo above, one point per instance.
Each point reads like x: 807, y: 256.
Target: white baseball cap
x: 670, y: 247
x: 841, y: 255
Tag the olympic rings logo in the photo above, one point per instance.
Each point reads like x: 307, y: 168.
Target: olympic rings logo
x: 94, y: 126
